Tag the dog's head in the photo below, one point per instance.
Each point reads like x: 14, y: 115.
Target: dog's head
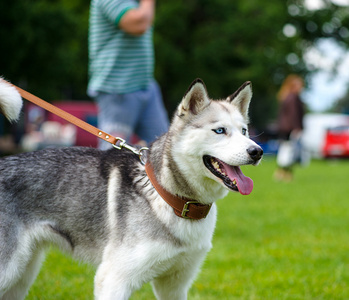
x: 212, y: 138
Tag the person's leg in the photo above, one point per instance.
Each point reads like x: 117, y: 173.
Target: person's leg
x: 118, y: 115
x: 153, y: 121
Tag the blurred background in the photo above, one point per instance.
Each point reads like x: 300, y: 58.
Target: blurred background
x: 44, y: 49
x: 286, y: 240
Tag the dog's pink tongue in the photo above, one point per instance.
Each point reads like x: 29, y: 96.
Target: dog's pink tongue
x: 244, y: 183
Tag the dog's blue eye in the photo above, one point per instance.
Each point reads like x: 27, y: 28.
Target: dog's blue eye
x: 244, y: 131
x: 220, y: 130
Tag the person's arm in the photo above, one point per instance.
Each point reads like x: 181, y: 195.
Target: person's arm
x: 136, y: 21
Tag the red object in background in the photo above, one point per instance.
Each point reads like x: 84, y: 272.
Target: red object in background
x: 336, y: 142
x: 86, y: 111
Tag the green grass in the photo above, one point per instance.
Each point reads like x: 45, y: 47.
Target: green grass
x: 284, y: 241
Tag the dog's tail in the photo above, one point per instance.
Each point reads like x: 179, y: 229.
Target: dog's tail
x: 10, y: 101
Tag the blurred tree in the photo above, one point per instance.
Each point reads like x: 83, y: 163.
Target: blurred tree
x: 44, y: 46
x: 342, y: 105
x: 228, y: 42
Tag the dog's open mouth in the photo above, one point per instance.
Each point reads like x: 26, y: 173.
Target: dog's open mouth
x: 231, y: 176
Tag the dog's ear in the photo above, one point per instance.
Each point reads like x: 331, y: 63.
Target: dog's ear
x: 242, y: 97
x: 195, y: 99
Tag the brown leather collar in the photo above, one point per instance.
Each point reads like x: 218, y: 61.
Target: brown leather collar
x: 183, y: 207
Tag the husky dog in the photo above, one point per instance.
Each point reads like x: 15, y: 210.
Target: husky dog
x: 101, y: 207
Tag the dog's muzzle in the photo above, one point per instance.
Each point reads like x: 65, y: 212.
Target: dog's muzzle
x: 255, y: 152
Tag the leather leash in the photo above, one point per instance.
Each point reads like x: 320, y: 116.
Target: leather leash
x: 183, y: 207
x: 117, y: 142
x: 67, y: 116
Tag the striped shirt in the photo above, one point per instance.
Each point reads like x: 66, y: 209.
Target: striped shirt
x: 118, y: 62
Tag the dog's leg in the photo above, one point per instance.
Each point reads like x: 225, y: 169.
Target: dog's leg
x: 126, y: 268
x: 20, y: 289
x: 175, y: 284
x: 20, y: 259
x: 110, y: 284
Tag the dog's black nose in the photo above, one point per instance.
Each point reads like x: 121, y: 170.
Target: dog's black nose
x: 255, y: 152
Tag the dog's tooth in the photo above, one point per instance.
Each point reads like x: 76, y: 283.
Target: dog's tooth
x: 234, y: 181
x: 217, y: 166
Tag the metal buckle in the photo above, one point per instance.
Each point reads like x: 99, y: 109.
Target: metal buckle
x: 118, y: 145
x: 185, y: 209
x: 121, y: 143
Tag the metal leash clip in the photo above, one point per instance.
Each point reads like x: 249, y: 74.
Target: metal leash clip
x: 121, y: 143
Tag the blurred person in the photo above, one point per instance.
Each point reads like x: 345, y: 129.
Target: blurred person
x: 290, y: 126
x: 121, y: 66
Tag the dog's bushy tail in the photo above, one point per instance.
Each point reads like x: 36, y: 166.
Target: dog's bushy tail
x: 10, y: 101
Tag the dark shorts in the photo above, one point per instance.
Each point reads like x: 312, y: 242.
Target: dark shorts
x: 140, y: 113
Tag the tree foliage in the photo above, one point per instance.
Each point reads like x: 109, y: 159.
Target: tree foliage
x: 228, y: 42
x: 44, y: 46
x: 224, y: 42
x: 342, y: 104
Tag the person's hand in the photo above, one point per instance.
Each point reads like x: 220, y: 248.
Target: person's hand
x: 137, y: 21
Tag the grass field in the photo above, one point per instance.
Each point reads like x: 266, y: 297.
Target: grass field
x: 284, y: 241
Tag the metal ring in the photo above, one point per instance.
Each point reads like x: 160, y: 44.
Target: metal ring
x: 142, y: 154
x: 121, y: 144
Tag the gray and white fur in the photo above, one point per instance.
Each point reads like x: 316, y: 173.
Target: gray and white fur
x: 100, y: 207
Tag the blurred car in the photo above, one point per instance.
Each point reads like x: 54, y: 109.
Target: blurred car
x: 336, y: 142
x: 84, y: 110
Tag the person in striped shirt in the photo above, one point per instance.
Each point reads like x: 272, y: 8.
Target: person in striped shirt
x: 121, y: 67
